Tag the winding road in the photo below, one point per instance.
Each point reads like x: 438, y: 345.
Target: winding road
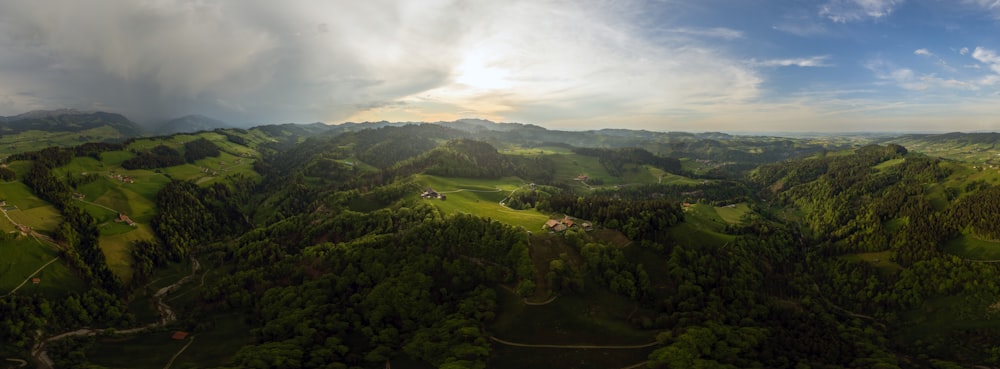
x: 167, y: 315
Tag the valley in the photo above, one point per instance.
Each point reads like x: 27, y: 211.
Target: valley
x: 466, y: 245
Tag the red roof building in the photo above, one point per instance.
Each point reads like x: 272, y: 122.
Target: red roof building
x: 179, y: 335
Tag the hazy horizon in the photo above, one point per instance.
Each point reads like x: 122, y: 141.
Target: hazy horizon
x: 668, y: 65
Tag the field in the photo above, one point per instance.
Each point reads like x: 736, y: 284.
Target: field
x: 212, y: 347
x: 880, y: 260
x: 482, y: 197
x: 734, y: 214
x: 26, y: 208
x: 597, y: 317
x: 972, y: 247
x: 35, y: 140
x: 19, y: 258
x: 702, y: 225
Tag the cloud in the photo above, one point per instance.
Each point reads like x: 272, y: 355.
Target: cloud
x: 909, y: 79
x: 988, y: 57
x: 716, y: 32
x: 801, y: 28
x: 844, y: 11
x: 964, y: 51
x: 261, y: 61
x: 923, y: 52
x: 815, y: 61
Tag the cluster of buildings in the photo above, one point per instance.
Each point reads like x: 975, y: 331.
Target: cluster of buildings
x: 122, y: 178
x: 566, y: 223
x: 429, y: 193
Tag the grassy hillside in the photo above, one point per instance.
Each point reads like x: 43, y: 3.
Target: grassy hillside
x: 482, y: 197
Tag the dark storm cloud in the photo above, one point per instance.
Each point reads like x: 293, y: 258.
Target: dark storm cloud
x: 247, y: 61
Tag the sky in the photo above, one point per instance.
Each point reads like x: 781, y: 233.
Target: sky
x: 663, y: 65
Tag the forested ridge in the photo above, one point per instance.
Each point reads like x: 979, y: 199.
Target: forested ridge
x: 320, y: 281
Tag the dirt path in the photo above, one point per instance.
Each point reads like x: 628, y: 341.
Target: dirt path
x: 167, y: 315
x: 98, y: 205
x: 172, y: 358
x: 596, y: 347
x: 637, y: 366
x: 525, y: 300
x: 20, y: 363
x: 32, y: 275
x: 855, y: 315
x: 546, y: 302
x: 466, y: 190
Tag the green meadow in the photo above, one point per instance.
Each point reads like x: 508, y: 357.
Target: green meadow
x: 972, y: 247
x: 702, y: 225
x: 481, y: 197
x: 734, y: 214
x: 23, y: 256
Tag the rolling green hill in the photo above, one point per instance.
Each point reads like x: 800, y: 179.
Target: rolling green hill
x: 423, y: 245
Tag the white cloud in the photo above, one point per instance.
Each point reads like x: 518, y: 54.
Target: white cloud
x: 964, y: 51
x: 843, y: 11
x: 909, y: 79
x: 802, y: 29
x: 715, y: 32
x: 923, y: 52
x: 815, y: 61
x: 988, y: 57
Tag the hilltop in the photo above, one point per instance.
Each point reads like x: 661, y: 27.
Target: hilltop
x: 474, y: 243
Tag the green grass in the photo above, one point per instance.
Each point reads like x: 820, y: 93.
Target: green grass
x: 569, y: 166
x: 733, y: 215
x: 972, y: 247
x: 889, y: 163
x: 216, y: 346
x: 596, y: 317
x: 505, y: 357
x: 482, y: 204
x: 37, y: 140
x: 702, y: 225
x: 116, y: 246
x: 145, y: 350
x: 44, y: 219
x: 536, y: 151
x: 19, y: 258
x: 880, y: 260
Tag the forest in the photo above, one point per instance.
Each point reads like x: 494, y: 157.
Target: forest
x: 329, y: 259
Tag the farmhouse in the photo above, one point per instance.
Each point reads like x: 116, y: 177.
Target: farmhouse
x: 429, y: 193
x: 179, y: 335
x: 582, y: 177
x: 555, y: 225
x: 122, y: 218
x: 36, y: 280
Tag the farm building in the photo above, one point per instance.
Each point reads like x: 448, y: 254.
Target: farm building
x: 122, y: 218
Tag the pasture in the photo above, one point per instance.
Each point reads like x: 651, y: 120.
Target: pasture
x: 881, y: 260
x: 21, y: 257
x: 26, y: 208
x: 36, y: 140
x: 213, y: 346
x: 733, y: 214
x: 481, y: 197
x: 971, y: 247
x: 702, y: 225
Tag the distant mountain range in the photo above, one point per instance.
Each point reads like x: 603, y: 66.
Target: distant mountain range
x: 67, y: 120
